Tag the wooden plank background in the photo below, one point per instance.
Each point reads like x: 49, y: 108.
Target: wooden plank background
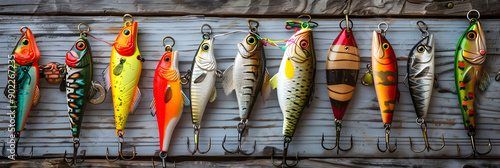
x: 262, y: 8
x: 47, y: 128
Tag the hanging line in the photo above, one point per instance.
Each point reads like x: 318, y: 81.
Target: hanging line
x: 110, y: 44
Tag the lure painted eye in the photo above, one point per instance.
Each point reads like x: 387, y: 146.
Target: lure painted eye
x: 421, y: 49
x: 25, y: 42
x: 251, y: 40
x: 385, y: 46
x: 304, y: 44
x: 471, y: 35
x: 126, y: 32
x: 167, y: 59
x: 205, y: 47
x: 80, y: 45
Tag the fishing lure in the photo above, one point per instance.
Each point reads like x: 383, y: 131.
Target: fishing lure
x: 122, y: 76
x: 24, y: 70
x: 202, y: 84
x: 247, y: 76
x: 342, y: 68
x: 421, y: 80
x: 295, y: 80
x: 77, y: 82
x: 169, y: 99
x: 469, y: 75
x: 384, y: 76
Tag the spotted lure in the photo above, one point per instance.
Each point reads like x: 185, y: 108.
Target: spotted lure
x: 470, y: 75
x: 295, y: 79
x: 123, y: 74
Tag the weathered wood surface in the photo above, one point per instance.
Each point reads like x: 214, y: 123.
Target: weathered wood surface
x: 47, y: 128
x: 257, y: 163
x: 393, y: 8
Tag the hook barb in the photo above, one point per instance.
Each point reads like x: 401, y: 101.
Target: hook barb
x: 338, y: 128
x: 387, y: 144
x: 74, y: 160
x: 241, y: 129
x: 196, y: 142
x: 16, y: 145
x: 423, y: 127
x: 120, y: 150
x: 286, y: 143
x: 471, y: 133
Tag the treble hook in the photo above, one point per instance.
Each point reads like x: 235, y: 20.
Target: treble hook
x: 338, y: 128
x: 423, y: 127
x: 471, y: 133
x: 120, y: 149
x: 16, y: 144
x: 241, y: 129
x: 286, y: 143
x: 76, y: 145
x: 387, y: 128
x: 196, y: 141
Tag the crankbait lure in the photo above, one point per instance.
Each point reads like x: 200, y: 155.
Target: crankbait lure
x: 77, y: 81
x: 122, y: 76
x: 22, y: 87
x: 385, y: 78
x: 469, y: 75
x: 169, y: 99
x: 342, y: 67
x: 421, y: 80
x: 247, y: 76
x: 295, y: 80
x: 202, y: 84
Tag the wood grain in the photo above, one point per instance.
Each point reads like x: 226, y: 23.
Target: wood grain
x: 48, y: 128
x: 262, y: 8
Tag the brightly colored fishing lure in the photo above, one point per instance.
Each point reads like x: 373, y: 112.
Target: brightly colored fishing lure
x: 25, y: 71
x: 247, y: 76
x: 122, y: 76
x: 342, y: 67
x: 470, y: 75
x: 169, y: 99
x: 421, y: 80
x: 295, y: 80
x: 383, y: 73
x: 202, y: 84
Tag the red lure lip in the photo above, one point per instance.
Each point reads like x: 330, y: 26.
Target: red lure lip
x: 72, y: 58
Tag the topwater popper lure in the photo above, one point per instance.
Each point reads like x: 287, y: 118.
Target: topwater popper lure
x: 421, y: 79
x: 342, y: 68
x: 122, y: 76
x: 247, y: 76
x: 23, y: 90
x: 295, y: 80
x: 169, y: 99
x: 384, y: 76
x: 469, y: 75
x: 202, y: 85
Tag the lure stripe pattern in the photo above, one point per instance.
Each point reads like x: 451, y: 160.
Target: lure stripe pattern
x: 421, y: 74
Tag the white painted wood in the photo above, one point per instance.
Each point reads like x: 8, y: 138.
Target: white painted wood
x: 47, y: 128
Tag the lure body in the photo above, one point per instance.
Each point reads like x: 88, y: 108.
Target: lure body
x: 385, y: 76
x: 27, y: 95
x: 342, y: 68
x: 421, y: 74
x: 78, y: 81
x: 168, y: 97
x: 469, y: 57
x: 247, y: 75
x: 295, y: 79
x: 124, y: 72
x: 202, y: 82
